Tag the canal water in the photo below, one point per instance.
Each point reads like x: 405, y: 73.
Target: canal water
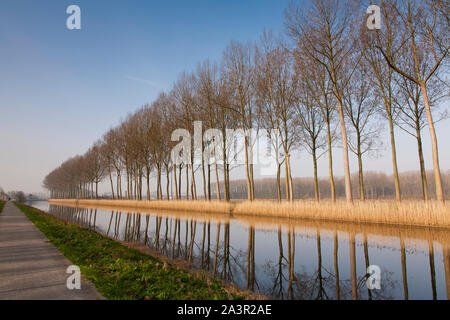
x: 286, y: 259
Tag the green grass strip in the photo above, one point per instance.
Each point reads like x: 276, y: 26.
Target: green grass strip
x: 119, y: 272
x: 2, y: 205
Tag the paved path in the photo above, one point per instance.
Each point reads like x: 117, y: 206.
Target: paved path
x: 30, y: 266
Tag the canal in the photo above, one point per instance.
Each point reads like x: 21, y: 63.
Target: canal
x: 285, y: 259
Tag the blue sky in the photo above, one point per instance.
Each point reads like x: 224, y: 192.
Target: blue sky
x: 61, y: 89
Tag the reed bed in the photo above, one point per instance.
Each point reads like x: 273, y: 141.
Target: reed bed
x: 411, y: 213
x: 199, y: 206
x: 408, y: 213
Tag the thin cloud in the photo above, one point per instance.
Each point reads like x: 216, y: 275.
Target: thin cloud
x: 151, y: 83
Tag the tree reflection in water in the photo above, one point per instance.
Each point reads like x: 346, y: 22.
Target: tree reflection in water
x: 206, y: 244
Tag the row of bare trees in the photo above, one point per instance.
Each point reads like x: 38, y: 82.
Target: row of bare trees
x: 3, y: 195
x: 330, y: 80
x: 18, y: 196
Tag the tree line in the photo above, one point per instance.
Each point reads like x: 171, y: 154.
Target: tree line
x: 3, y: 195
x: 327, y: 81
x: 18, y: 196
x: 378, y: 185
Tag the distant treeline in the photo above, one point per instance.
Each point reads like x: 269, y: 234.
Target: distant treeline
x: 378, y: 186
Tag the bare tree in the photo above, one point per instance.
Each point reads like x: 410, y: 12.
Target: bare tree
x: 324, y: 33
x: 276, y: 85
x: 184, y: 93
x: 383, y: 79
x: 318, y: 87
x: 95, y: 166
x: 425, y: 45
x: 208, y: 91
x: 412, y: 116
x: 361, y: 110
x: 239, y: 72
x: 311, y: 122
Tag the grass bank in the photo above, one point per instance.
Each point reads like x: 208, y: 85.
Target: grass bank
x: 2, y: 205
x: 120, y: 272
x: 407, y: 213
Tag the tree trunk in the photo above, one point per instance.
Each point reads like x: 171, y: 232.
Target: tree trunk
x: 112, y: 186
x: 225, y: 195
x: 226, y: 189
x: 316, y: 179
x: 168, y: 182
x: 252, y: 180
x: 217, y: 178
x: 423, y: 173
x: 119, y: 186
x: 247, y: 169
x: 286, y: 178
x: 360, y: 169
x: 160, y: 183
x: 193, y: 185
x: 348, y: 182
x: 179, y: 181
x: 187, y: 181
x: 140, y: 184
x: 361, y: 178
x: 175, y: 180
x: 289, y: 186
x: 279, y: 182
x: 434, y: 145
x: 227, y: 185
x: 330, y: 163
x: 128, y: 184
x: 205, y: 195
x: 394, y: 157
x: 148, y: 184
x: 209, y: 182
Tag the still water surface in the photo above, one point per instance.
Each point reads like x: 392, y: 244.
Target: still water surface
x: 285, y: 259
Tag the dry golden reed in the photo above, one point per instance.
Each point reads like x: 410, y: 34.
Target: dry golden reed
x: 408, y: 213
x: 413, y: 213
x: 180, y: 205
